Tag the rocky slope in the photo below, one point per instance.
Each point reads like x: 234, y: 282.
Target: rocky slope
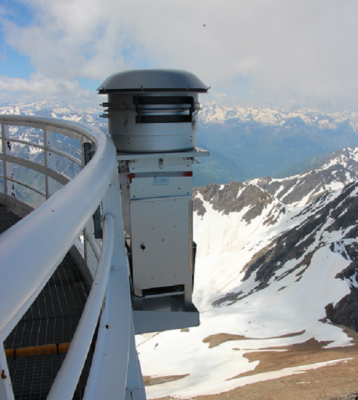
x: 321, y: 201
x: 276, y: 270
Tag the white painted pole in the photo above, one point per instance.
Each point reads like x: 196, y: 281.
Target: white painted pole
x: 108, y: 375
x: 6, y: 391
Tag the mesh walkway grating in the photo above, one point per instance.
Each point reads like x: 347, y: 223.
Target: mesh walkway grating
x: 52, y: 319
x: 7, y: 219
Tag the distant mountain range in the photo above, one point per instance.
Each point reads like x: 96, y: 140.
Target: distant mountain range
x: 249, y: 143
x: 244, y: 143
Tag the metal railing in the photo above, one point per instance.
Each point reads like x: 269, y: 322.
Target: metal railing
x: 45, y: 236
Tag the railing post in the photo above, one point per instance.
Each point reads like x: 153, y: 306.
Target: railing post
x: 91, y: 244
x: 91, y: 248
x: 108, y: 377
x: 3, y: 137
x: 6, y: 391
x: 135, y: 385
x: 47, y: 190
x: 49, y: 162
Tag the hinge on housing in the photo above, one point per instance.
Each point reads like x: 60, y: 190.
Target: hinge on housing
x: 161, y: 163
x: 125, y: 124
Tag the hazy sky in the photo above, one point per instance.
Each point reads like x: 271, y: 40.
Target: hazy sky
x: 287, y: 53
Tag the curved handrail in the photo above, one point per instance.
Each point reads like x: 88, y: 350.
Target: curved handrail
x: 42, y: 147
x: 51, y: 173
x: 45, y: 236
x: 47, y: 125
x: 38, y: 191
x: 56, y: 123
x: 45, y: 233
x: 66, y: 380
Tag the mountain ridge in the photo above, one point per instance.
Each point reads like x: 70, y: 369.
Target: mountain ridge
x: 276, y: 269
x: 214, y: 112
x: 245, y: 143
x: 266, y: 141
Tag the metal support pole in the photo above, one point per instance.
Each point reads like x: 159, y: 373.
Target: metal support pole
x: 3, y: 137
x: 50, y: 163
x: 135, y: 385
x: 111, y: 362
x: 5, y: 381
x: 108, y: 375
x: 47, y: 189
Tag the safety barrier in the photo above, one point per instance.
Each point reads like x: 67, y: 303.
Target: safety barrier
x: 45, y: 236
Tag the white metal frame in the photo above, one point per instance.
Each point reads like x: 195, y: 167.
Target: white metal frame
x: 45, y: 236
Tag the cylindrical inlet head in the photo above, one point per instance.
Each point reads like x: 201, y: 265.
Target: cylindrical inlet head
x: 153, y: 110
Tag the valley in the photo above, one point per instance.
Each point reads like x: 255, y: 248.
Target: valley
x: 275, y: 284
x: 277, y: 261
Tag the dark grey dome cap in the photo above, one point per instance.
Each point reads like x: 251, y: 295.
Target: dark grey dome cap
x: 152, y: 80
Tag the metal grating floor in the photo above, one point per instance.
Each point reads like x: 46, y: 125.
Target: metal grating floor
x: 52, y: 319
x: 7, y: 219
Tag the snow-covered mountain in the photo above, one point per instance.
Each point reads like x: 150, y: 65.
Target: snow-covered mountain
x: 248, y: 143
x: 244, y: 143
x: 215, y: 113
x: 276, y: 267
x: 52, y: 109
